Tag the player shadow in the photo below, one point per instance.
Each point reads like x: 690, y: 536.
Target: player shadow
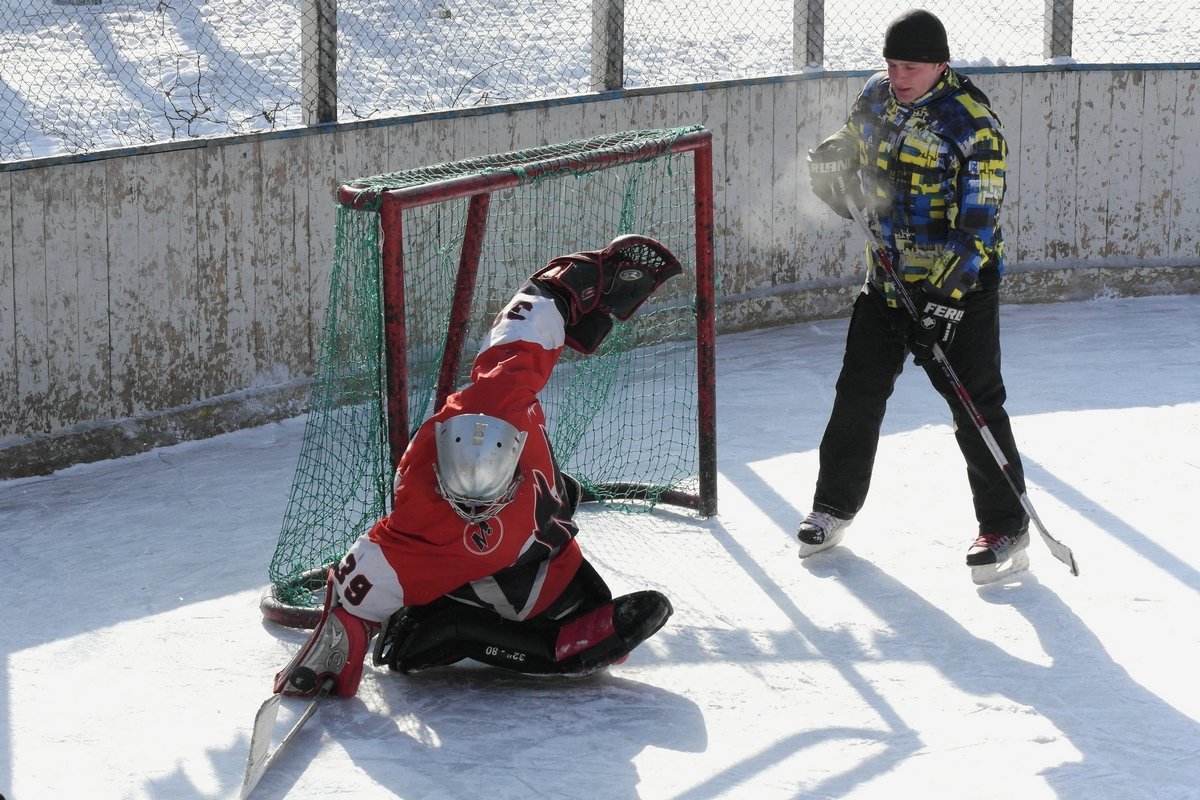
x: 469, y: 730
x: 1079, y: 666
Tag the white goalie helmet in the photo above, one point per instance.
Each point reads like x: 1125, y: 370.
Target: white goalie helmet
x: 476, y: 465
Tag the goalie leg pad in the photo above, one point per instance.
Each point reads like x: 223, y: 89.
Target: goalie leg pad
x: 608, y: 634
x: 415, y: 641
x: 335, y: 650
x: 417, y: 638
x: 585, y: 643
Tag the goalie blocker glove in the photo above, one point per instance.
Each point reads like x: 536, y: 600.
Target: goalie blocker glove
x: 937, y: 320
x: 592, y: 286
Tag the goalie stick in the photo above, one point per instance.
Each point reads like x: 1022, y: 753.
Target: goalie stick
x: 261, y: 756
x: 1056, y: 547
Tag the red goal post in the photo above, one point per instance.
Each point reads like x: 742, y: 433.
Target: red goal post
x: 392, y: 201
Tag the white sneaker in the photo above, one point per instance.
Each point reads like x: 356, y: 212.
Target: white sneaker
x: 820, y: 531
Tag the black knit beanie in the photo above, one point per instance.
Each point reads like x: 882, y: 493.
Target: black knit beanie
x: 916, y: 35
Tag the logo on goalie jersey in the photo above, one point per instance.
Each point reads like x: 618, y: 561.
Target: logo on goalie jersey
x: 485, y: 537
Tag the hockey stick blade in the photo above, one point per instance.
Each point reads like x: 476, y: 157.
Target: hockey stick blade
x: 261, y: 756
x: 1057, y: 548
x: 260, y: 743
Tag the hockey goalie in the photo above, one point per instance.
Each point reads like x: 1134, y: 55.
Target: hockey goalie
x: 477, y: 558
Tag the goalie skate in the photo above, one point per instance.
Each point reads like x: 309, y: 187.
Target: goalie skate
x: 995, y: 557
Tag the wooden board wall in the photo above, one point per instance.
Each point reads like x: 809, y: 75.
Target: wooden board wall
x: 178, y: 291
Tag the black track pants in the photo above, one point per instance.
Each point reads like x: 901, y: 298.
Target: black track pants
x: 876, y: 349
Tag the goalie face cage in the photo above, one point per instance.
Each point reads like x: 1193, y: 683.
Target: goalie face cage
x: 424, y: 259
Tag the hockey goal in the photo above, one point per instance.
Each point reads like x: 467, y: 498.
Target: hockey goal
x: 423, y: 260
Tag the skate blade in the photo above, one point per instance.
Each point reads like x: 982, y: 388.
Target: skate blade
x: 993, y: 573
x: 807, y: 549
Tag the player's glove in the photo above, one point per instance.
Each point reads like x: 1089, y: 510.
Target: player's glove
x: 937, y: 319
x: 593, y: 286
x: 834, y: 176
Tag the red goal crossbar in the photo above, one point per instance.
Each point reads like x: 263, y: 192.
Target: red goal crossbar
x: 391, y: 202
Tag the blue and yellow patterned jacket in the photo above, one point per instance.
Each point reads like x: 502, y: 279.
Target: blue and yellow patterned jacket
x: 934, y: 173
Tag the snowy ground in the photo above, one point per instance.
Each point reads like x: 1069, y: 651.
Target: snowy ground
x: 134, y: 654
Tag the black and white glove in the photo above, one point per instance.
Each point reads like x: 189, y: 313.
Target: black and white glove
x: 593, y: 286
x: 834, y: 176
x: 937, y: 319
x: 634, y: 267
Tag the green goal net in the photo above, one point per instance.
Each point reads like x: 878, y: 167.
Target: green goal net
x: 422, y: 262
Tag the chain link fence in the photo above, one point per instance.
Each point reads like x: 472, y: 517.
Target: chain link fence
x: 83, y: 75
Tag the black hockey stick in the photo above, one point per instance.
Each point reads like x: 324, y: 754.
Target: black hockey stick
x: 1057, y: 548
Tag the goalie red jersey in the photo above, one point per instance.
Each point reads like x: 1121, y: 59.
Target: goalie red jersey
x: 519, y: 560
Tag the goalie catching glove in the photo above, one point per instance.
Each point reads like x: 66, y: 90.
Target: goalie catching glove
x: 593, y: 286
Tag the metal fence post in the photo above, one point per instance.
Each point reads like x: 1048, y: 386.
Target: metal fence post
x: 808, y: 33
x: 318, y: 60
x: 1058, y: 28
x: 608, y: 45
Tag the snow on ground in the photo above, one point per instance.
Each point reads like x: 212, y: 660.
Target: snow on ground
x: 134, y: 654
x: 78, y: 76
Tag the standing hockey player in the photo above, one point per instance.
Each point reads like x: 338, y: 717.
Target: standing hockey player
x: 477, y: 558
x: 923, y: 153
